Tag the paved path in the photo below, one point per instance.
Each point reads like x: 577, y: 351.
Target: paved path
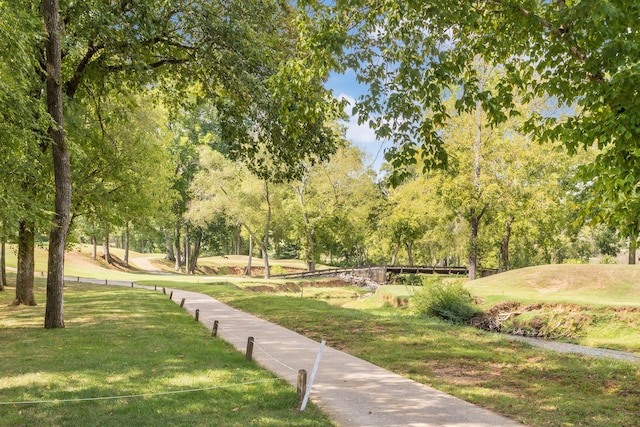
x: 564, y: 347
x: 352, y: 391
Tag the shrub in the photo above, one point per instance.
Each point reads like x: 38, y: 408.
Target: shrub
x: 607, y: 259
x: 408, y: 280
x: 451, y: 302
x: 277, y: 270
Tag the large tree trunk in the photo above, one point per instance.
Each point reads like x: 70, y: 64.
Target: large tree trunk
x: 126, y: 244
x: 54, y: 312
x: 504, y: 245
x: 178, y: 250
x: 633, y: 246
x: 24, y: 276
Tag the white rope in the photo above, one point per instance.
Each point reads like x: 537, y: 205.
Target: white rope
x: 129, y: 396
x: 274, y: 359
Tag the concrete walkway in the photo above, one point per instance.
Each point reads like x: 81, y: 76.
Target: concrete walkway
x: 353, y: 392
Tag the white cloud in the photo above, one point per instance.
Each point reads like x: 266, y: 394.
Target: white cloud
x: 362, y: 135
x: 357, y: 133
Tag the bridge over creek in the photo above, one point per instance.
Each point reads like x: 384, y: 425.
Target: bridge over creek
x: 384, y: 274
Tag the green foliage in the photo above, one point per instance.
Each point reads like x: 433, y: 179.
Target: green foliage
x: 449, y: 301
x: 607, y: 259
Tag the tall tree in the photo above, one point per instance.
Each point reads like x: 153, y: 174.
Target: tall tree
x: 54, y: 314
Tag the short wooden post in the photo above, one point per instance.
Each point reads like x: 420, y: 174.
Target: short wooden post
x: 302, y: 385
x: 164, y: 290
x: 155, y: 287
x: 214, y: 331
x: 171, y: 295
x: 249, y: 355
x: 132, y: 284
x: 197, y: 314
x: 78, y: 278
x: 106, y: 282
x: 182, y: 302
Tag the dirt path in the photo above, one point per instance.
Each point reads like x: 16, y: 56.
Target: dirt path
x: 145, y: 264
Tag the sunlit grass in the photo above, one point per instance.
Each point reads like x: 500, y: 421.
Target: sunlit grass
x: 530, y: 385
x: 131, y: 343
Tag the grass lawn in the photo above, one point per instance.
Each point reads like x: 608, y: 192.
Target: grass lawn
x: 140, y: 346
x: 530, y: 385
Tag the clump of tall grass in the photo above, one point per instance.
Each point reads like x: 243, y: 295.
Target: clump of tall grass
x: 448, y: 301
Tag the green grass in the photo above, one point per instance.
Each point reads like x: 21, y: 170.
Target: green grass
x: 532, y: 386
x: 124, y: 342
x: 577, y: 284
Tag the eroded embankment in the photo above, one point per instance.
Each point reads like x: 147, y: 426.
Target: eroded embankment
x: 554, y: 320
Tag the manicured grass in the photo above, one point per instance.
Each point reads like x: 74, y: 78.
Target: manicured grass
x: 578, y: 284
x: 530, y: 385
x: 129, y: 342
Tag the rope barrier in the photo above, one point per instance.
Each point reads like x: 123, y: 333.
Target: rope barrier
x: 130, y: 396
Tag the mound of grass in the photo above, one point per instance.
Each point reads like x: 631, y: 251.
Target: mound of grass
x: 140, y: 346
x: 586, y: 284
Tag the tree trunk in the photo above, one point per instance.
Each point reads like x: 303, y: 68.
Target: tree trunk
x: 24, y: 276
x: 196, y: 251
x: 410, y: 253
x: 178, y: 250
x: 94, y: 242
x: 504, y: 245
x: 633, y: 246
x: 169, y: 242
x: 474, y: 248
x: 126, y: 244
x: 186, y: 249
x: 239, y: 241
x: 54, y: 312
x: 247, y: 271
x: 265, y: 242
x: 394, y: 258
x: 3, y: 265
x: 105, y: 249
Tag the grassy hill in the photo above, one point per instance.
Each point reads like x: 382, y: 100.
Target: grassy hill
x: 617, y: 285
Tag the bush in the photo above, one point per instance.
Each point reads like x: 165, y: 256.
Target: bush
x: 607, y: 259
x: 276, y: 270
x: 408, y: 280
x: 450, y: 302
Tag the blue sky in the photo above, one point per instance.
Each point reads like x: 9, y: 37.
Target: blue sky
x: 346, y: 86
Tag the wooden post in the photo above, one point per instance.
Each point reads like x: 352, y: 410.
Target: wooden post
x: 214, y: 331
x: 249, y: 354
x: 155, y: 287
x: 132, y: 284
x: 164, y: 290
x: 171, y: 295
x: 78, y: 278
x: 182, y: 302
x: 105, y: 282
x: 302, y: 385
x: 197, y: 314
